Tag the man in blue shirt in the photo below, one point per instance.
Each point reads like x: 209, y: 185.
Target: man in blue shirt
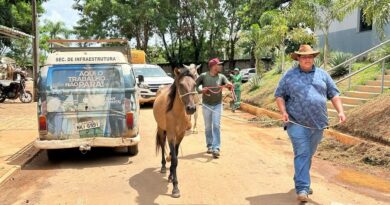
x: 301, y: 97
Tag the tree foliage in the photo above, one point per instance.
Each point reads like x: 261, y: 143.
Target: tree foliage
x: 16, y: 15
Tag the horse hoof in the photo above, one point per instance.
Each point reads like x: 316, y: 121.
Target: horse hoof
x: 163, y: 170
x: 175, y: 194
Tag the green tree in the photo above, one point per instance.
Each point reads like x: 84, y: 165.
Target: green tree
x: 233, y: 9
x: 117, y: 18
x: 51, y: 30
x: 375, y: 12
x: 21, y: 51
x: 16, y: 15
x: 322, y: 13
x: 55, y: 30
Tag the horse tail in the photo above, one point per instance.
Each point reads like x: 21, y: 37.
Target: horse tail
x: 160, y: 139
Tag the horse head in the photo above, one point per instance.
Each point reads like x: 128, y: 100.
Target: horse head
x: 193, y: 69
x: 185, y: 87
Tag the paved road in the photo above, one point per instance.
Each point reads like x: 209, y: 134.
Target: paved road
x: 255, y: 168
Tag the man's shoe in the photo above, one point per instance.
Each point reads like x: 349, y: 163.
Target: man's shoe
x: 209, y: 151
x: 216, y: 154
x: 310, y: 191
x: 302, y: 197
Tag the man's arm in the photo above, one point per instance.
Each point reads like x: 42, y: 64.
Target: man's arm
x: 282, y: 107
x: 338, y: 105
x: 199, y: 81
x: 226, y: 82
x: 333, y: 95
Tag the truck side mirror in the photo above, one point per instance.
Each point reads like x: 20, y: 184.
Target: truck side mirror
x: 140, y: 79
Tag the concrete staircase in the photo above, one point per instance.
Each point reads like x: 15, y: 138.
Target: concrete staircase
x: 359, y: 95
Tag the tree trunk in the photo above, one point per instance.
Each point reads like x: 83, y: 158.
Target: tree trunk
x: 326, y: 46
x: 232, y: 62
x: 283, y: 51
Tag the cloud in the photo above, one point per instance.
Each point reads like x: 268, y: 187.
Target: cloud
x: 60, y: 10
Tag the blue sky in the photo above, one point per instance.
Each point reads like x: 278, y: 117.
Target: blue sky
x: 60, y: 10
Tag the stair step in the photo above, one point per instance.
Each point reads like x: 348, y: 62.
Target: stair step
x: 352, y: 100
x: 378, y: 83
x: 356, y: 94
x: 367, y: 88
x: 346, y: 107
x: 379, y: 77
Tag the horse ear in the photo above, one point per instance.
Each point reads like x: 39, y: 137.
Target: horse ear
x: 198, y: 66
x: 186, y: 66
x: 177, y: 71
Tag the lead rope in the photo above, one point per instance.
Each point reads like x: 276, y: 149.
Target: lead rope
x: 259, y: 122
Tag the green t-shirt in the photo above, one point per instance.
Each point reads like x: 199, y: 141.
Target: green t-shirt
x: 236, y: 81
x: 206, y: 80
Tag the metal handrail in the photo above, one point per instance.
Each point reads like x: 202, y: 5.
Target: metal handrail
x: 359, y: 55
x: 368, y: 66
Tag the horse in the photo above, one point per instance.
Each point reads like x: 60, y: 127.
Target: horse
x: 172, y: 109
x: 194, y: 71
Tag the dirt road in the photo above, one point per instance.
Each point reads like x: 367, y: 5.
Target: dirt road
x: 256, y: 167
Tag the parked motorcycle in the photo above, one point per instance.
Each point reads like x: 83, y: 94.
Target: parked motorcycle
x: 14, y: 90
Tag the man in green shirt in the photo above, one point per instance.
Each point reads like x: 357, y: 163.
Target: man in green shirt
x: 212, y: 83
x: 236, y: 78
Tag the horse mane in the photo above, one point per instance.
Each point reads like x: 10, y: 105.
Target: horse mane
x: 172, y: 89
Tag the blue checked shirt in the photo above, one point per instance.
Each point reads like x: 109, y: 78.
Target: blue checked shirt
x: 305, y: 94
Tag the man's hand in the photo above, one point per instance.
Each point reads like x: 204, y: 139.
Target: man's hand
x: 205, y: 91
x: 342, y: 117
x: 285, y: 117
x: 229, y: 86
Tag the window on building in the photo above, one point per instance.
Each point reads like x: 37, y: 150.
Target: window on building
x: 363, y: 25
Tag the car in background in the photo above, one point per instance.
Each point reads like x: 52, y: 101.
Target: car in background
x: 153, y: 78
x: 247, y: 74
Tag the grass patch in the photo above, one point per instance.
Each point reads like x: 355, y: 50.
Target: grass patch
x: 363, y: 155
x: 362, y: 77
x: 263, y: 94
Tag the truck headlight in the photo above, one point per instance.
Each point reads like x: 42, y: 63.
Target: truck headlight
x: 143, y: 85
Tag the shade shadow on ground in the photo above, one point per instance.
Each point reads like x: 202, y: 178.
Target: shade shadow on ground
x: 149, y: 184
x: 288, y: 198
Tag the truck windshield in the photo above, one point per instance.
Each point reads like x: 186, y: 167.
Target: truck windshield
x: 85, y: 77
x: 150, y: 71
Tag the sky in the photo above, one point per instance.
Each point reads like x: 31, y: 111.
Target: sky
x: 60, y: 10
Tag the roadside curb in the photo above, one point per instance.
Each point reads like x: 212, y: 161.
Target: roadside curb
x: 27, y: 153
x: 343, y: 138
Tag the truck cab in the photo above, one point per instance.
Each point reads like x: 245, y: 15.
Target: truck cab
x: 87, y: 99
x: 153, y: 78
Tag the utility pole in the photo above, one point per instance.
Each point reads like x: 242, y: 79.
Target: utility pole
x: 35, y: 47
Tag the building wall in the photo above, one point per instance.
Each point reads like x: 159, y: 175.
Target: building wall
x: 345, y: 36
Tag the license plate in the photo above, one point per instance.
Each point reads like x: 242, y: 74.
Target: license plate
x: 87, y: 125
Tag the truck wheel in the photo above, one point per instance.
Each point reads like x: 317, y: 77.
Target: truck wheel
x: 132, y: 150
x: 52, y: 155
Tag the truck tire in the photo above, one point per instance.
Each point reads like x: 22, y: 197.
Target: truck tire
x: 52, y: 155
x: 132, y: 150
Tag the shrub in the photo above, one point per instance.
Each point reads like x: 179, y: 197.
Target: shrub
x: 254, y: 83
x: 337, y: 58
x: 379, y: 53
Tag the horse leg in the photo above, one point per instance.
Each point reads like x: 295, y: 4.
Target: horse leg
x: 174, y: 162
x: 163, y: 161
x: 195, y: 129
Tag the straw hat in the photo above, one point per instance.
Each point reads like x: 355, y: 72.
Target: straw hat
x: 304, y: 50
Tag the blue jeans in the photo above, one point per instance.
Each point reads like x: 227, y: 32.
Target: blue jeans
x: 212, y: 121
x: 305, y: 142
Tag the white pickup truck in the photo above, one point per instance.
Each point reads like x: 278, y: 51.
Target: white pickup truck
x: 153, y: 77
